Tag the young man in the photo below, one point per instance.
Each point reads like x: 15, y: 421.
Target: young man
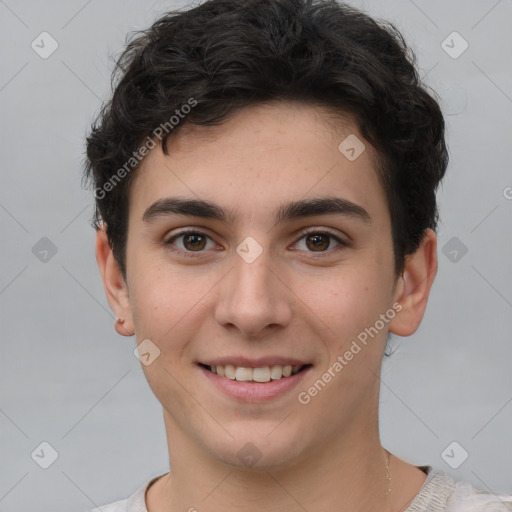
x: 265, y: 179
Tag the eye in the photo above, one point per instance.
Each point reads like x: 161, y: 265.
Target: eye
x: 189, y: 241
x: 319, y: 241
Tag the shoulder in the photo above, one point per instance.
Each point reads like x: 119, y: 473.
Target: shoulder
x: 466, y: 498
x: 441, y: 493
x: 135, y: 503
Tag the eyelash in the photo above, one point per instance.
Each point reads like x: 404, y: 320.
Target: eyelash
x: 302, y: 234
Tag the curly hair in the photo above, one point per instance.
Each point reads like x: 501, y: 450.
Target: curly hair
x: 226, y: 55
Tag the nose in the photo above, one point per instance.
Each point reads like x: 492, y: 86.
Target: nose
x: 253, y: 299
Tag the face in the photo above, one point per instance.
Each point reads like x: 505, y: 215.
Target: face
x: 287, y: 259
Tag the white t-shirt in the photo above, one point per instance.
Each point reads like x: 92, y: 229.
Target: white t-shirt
x: 439, y: 493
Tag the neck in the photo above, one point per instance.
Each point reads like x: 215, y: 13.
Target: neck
x: 346, y: 473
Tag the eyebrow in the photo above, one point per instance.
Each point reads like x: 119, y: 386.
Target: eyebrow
x: 288, y: 211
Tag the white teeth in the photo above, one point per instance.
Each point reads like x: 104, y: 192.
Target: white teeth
x: 276, y: 372
x: 263, y: 374
x: 243, y: 374
x: 229, y: 371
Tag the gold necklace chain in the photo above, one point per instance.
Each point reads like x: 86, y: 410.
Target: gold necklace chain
x: 388, y: 476
x: 387, y: 458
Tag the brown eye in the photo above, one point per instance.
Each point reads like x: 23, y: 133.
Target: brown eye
x: 318, y: 242
x: 194, y: 242
x: 188, y: 242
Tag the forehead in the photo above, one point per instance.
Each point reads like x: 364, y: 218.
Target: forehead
x: 262, y: 155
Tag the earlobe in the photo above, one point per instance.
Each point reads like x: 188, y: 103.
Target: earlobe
x: 414, y: 285
x: 115, y: 286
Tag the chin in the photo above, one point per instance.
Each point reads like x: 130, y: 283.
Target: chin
x: 259, y: 452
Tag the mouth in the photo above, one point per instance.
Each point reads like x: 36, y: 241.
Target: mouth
x: 251, y: 382
x: 261, y: 375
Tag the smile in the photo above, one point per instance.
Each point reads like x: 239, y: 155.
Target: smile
x: 254, y: 381
x: 261, y: 374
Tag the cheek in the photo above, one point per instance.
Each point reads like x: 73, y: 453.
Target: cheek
x: 345, y: 297
x: 158, y: 299
x: 348, y: 303
x: 159, y: 305
x: 168, y: 303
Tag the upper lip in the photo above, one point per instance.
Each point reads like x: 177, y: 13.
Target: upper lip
x: 259, y: 362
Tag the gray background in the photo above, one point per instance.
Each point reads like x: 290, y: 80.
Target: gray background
x: 68, y: 379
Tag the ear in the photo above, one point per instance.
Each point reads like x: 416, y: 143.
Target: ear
x: 114, y: 284
x: 413, y: 286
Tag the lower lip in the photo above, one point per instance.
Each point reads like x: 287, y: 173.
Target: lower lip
x: 254, y: 391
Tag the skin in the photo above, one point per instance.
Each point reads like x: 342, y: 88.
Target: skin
x: 294, y: 300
